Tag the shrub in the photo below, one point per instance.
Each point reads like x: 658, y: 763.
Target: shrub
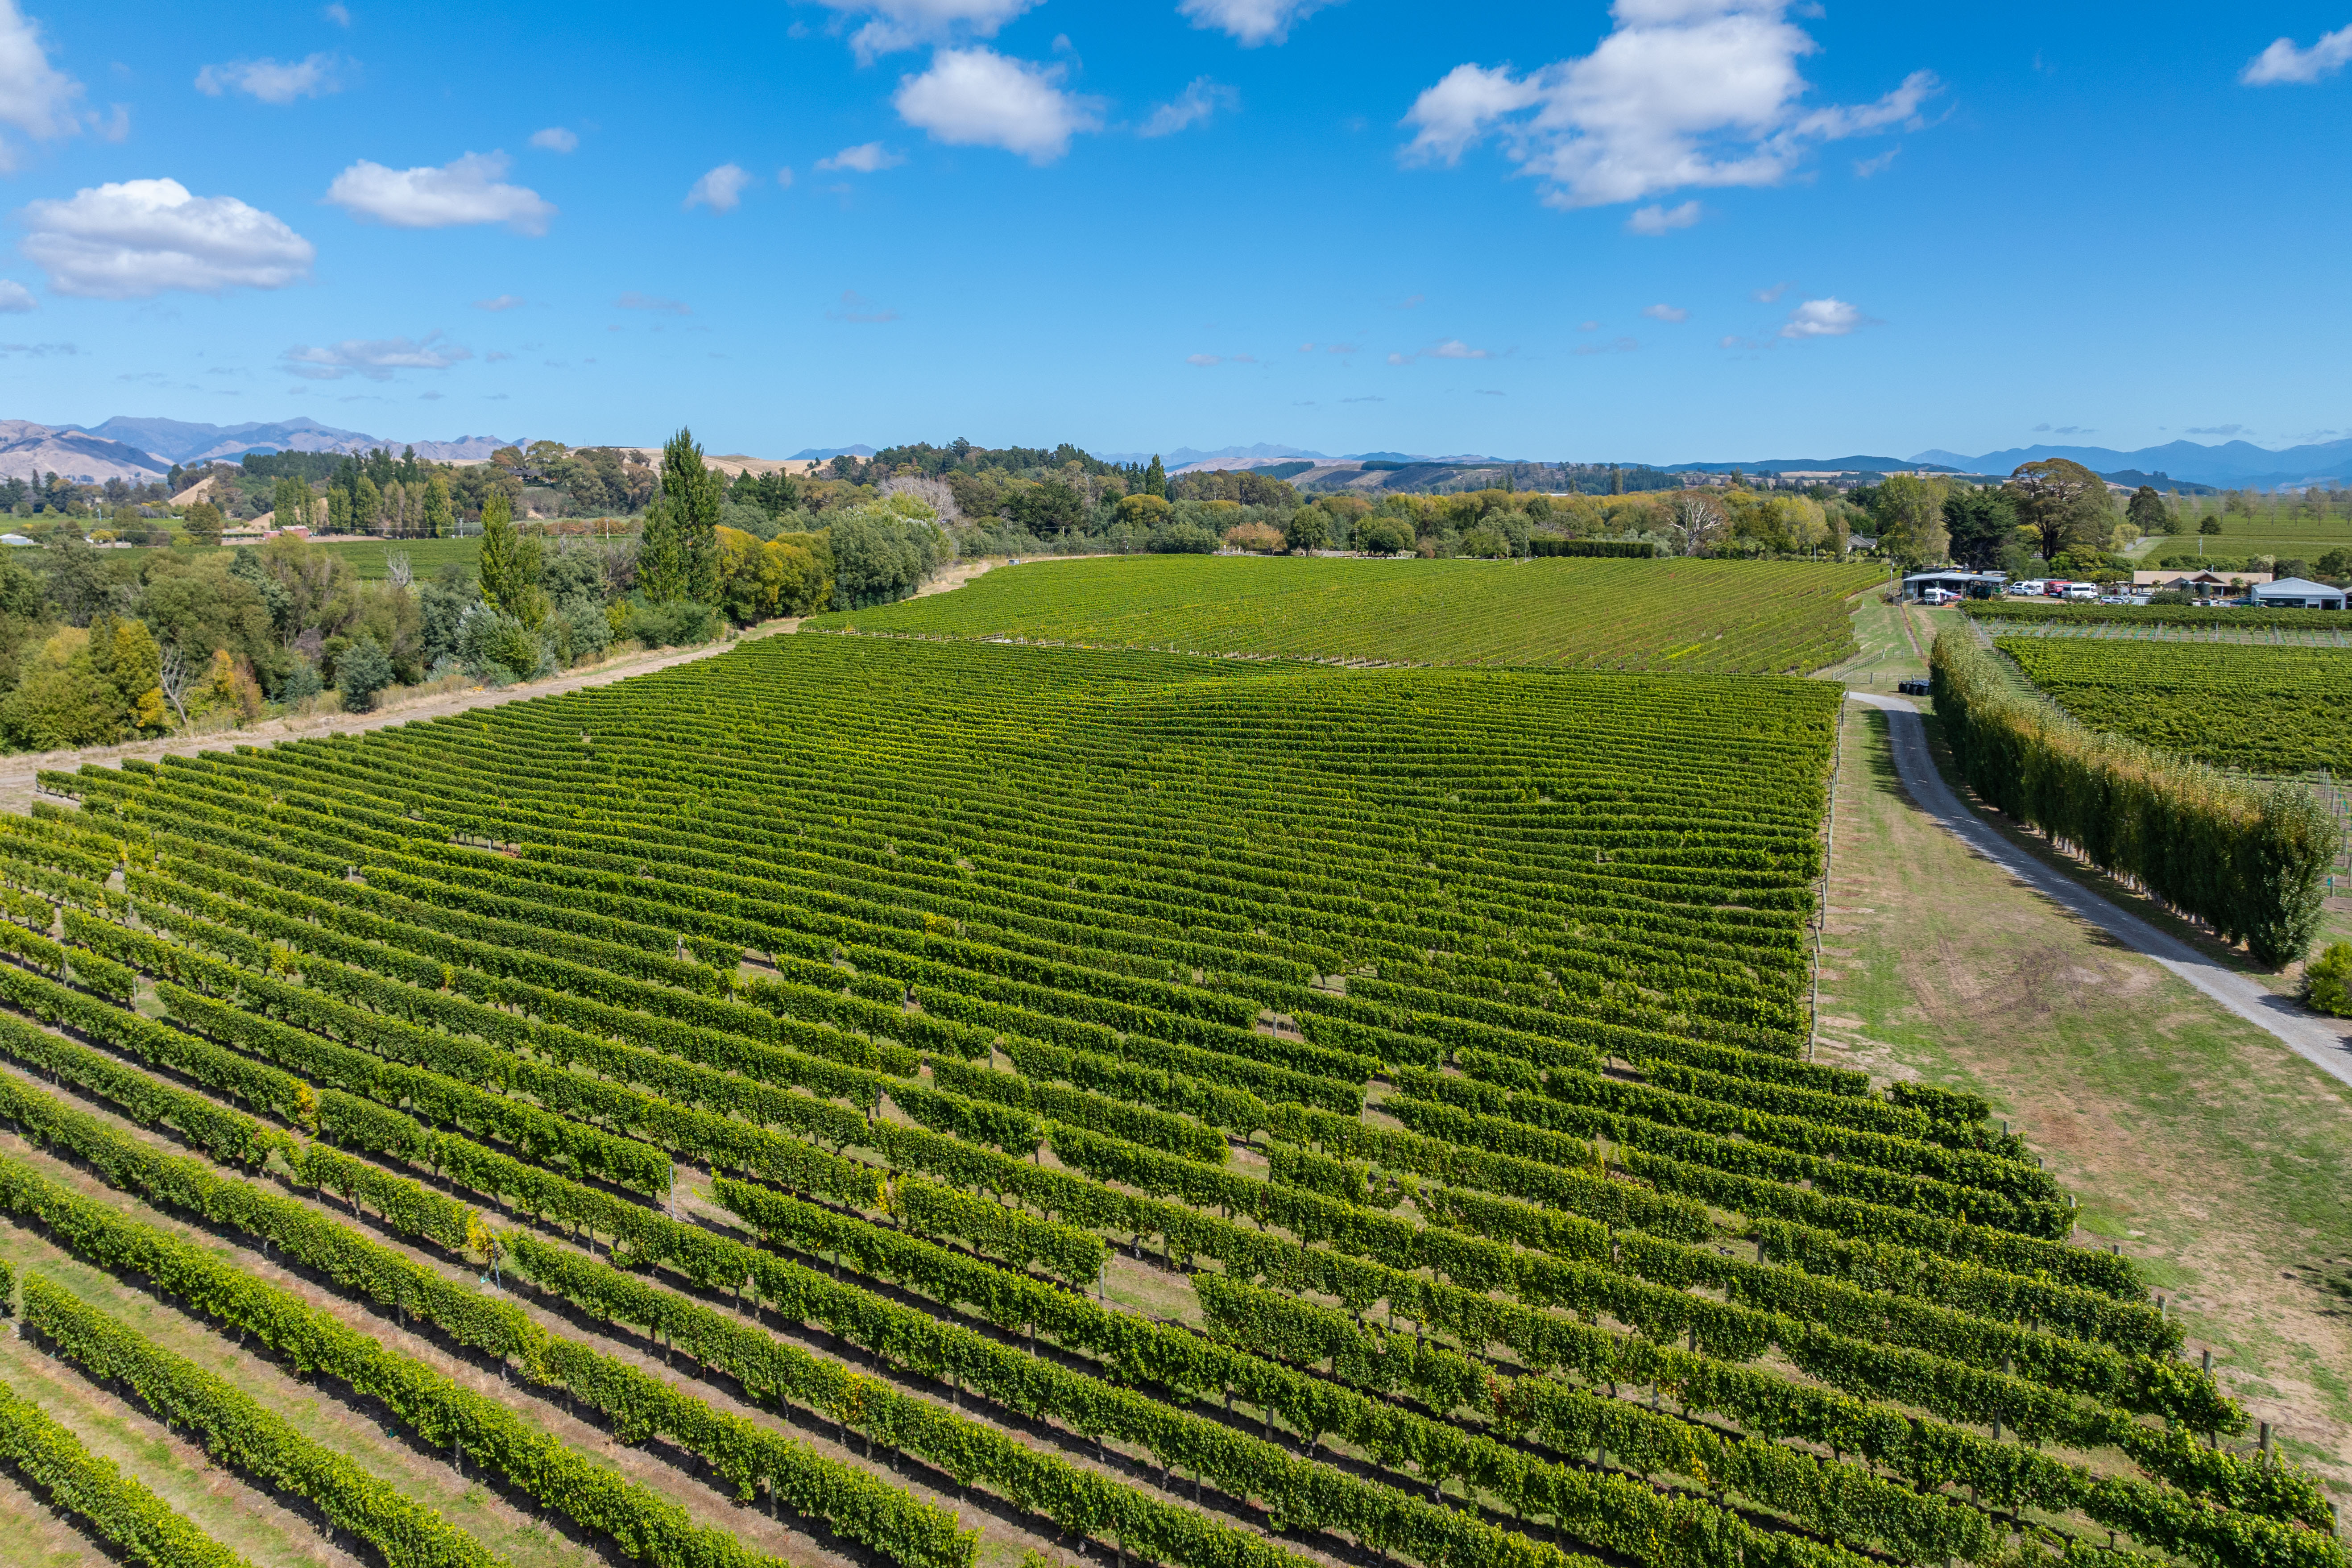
x: 2327, y: 982
x: 1384, y: 535
x: 1254, y: 537
x: 681, y: 624
x: 363, y: 670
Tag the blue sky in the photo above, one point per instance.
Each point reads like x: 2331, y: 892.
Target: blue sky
x: 1674, y: 229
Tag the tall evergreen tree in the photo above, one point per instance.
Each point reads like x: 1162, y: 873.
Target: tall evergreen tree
x: 1155, y: 479
x: 678, y: 555
x: 438, y: 511
x: 501, y: 567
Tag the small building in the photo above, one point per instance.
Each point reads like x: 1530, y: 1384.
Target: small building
x: 2297, y: 594
x: 16, y: 541
x: 2199, y: 585
x: 1960, y: 584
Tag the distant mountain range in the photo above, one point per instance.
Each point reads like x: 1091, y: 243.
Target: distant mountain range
x: 142, y: 449
x: 2233, y: 465
x: 821, y: 454
x: 28, y: 451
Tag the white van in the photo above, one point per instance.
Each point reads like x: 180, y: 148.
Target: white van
x: 1937, y: 596
x: 2032, y: 588
x: 2082, y: 591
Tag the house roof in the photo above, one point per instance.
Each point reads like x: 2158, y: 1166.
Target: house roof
x: 2300, y: 587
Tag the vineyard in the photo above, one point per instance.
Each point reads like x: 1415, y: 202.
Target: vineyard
x: 2276, y: 710
x: 2219, y: 620
x: 1719, y: 616
x: 955, y: 1103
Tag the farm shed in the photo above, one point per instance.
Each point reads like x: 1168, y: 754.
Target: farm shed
x: 1966, y: 584
x: 2298, y: 594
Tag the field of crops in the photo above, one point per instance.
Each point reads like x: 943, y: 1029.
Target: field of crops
x: 2222, y: 622
x: 1722, y: 616
x: 950, y: 1101
x: 2280, y: 710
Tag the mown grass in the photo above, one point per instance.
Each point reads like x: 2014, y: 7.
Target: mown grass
x: 2199, y: 1143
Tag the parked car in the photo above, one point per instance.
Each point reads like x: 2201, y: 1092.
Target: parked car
x: 1937, y: 596
x: 2031, y: 588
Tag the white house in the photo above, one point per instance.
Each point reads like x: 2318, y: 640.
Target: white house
x: 2298, y: 594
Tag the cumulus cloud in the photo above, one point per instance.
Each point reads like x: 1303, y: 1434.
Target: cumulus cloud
x: 1252, y: 22
x: 633, y: 300
x: 501, y: 302
x: 1199, y: 101
x: 1455, y: 348
x: 15, y: 299
x: 1682, y: 93
x: 375, y: 359
x: 893, y: 24
x: 555, y: 139
x: 978, y: 98
x: 721, y: 190
x: 311, y: 77
x: 866, y: 158
x: 1656, y: 219
x: 2283, y: 62
x: 139, y: 237
x: 1665, y: 312
x: 464, y: 191
x: 35, y: 98
x: 1821, y: 319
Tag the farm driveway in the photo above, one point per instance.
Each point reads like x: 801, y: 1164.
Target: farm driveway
x: 2308, y: 1036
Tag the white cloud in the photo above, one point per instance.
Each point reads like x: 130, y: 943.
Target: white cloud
x: 1615, y: 347
x: 15, y: 299
x: 266, y: 79
x: 1658, y: 218
x: 2283, y: 62
x: 337, y: 13
x: 1252, y: 22
x: 1462, y: 108
x: 1455, y: 348
x: 784, y: 176
x: 1199, y: 101
x: 555, y: 139
x: 893, y: 24
x: 1682, y: 93
x: 35, y: 99
x: 1665, y: 312
x: 139, y: 238
x: 1204, y: 359
x: 721, y: 190
x: 376, y: 359
x: 1766, y: 296
x: 633, y: 300
x: 866, y: 158
x: 464, y: 191
x: 978, y: 98
x: 503, y: 302
x: 1865, y: 167
x: 1821, y: 319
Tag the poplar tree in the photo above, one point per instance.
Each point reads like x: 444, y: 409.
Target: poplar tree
x: 437, y: 511
x: 1155, y: 479
x: 678, y: 557
x: 501, y: 553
